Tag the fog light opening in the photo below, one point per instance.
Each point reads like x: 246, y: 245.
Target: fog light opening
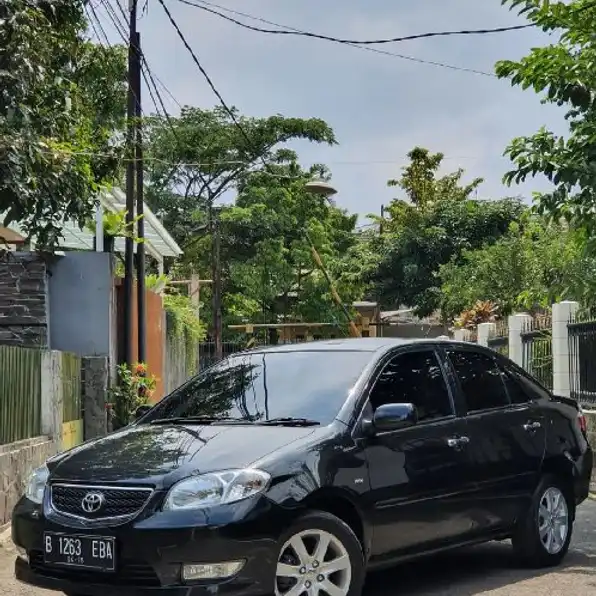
x: 205, y: 571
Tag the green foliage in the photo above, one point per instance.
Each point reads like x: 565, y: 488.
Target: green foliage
x: 271, y: 275
x: 267, y: 267
x: 62, y: 103
x: 196, y: 158
x: 115, y: 224
x: 564, y: 74
x: 531, y: 267
x: 436, y: 225
x: 133, y: 390
x: 422, y: 187
x: 185, y: 317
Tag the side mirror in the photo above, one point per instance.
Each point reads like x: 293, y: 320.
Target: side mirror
x: 394, y: 416
x: 141, y: 411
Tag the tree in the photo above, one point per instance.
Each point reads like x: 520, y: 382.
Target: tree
x: 271, y: 275
x: 61, y: 106
x: 531, y: 267
x: 435, y: 225
x: 196, y: 158
x: 563, y: 72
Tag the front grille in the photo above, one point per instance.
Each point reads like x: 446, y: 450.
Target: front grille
x: 116, y: 502
x: 128, y: 573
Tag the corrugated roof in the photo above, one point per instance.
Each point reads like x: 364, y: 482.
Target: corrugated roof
x: 158, y: 241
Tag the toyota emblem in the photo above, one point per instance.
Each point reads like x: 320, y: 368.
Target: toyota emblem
x: 92, y: 502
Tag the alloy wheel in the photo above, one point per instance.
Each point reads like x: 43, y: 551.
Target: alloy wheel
x: 313, y: 563
x: 553, y: 520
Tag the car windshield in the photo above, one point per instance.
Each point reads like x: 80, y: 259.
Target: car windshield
x: 268, y: 386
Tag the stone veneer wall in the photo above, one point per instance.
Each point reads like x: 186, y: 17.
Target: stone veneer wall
x: 23, y: 300
x: 17, y: 461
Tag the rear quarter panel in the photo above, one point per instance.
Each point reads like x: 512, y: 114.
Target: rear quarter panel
x: 567, y: 449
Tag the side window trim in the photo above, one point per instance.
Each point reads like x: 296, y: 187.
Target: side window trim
x: 365, y: 400
x: 474, y: 350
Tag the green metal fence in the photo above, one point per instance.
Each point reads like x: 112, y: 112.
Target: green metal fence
x: 20, y: 394
x: 71, y: 383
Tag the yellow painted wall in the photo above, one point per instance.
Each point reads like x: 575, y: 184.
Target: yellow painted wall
x: 72, y: 434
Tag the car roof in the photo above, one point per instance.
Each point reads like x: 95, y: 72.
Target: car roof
x: 351, y: 344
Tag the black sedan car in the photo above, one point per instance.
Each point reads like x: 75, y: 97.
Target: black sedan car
x: 294, y: 470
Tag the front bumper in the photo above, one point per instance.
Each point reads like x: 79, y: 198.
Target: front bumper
x: 152, y: 550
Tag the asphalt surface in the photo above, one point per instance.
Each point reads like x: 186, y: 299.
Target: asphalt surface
x: 488, y: 569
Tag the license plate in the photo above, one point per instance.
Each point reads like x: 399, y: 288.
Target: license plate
x: 90, y: 552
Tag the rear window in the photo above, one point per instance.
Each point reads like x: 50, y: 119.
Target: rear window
x: 263, y: 386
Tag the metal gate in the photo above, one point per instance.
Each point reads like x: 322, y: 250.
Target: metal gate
x: 537, y: 349
x: 582, y: 359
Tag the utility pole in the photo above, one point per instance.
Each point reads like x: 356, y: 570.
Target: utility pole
x: 141, y: 298
x: 216, y: 275
x: 382, y: 220
x: 133, y: 67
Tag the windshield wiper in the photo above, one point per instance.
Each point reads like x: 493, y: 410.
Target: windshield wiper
x: 190, y: 420
x: 288, y: 421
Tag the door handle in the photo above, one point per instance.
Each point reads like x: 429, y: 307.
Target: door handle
x: 532, y: 426
x: 457, y: 442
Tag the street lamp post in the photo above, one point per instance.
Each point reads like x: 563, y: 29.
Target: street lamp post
x: 324, y: 189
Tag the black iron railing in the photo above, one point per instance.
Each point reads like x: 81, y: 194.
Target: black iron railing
x: 582, y: 360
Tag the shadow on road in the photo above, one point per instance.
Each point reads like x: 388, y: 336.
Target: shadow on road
x: 470, y: 572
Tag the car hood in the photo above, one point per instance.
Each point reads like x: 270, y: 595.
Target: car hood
x: 162, y: 454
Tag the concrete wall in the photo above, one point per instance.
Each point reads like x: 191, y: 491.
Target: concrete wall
x: 81, y: 297
x: 17, y: 461
x: 23, y: 300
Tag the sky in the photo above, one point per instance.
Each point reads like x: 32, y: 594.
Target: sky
x: 379, y: 106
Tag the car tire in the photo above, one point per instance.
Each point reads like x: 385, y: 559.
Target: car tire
x: 318, y: 548
x: 543, y: 536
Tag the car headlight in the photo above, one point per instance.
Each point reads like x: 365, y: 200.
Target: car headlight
x: 216, y: 488
x: 37, y: 485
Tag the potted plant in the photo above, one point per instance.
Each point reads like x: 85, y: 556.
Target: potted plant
x: 134, y: 390
x: 115, y: 226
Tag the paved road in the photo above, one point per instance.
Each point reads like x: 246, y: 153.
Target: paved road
x: 489, y: 570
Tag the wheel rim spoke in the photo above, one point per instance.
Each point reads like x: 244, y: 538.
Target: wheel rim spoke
x: 300, y: 549
x: 331, y: 589
x: 285, y: 570
x: 338, y: 564
x: 295, y: 590
x: 322, y: 546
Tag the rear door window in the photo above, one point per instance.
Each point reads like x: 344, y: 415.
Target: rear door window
x: 521, y: 388
x: 480, y: 380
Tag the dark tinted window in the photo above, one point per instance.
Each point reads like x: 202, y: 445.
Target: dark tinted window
x: 520, y: 388
x: 416, y: 378
x: 480, y: 380
x: 258, y: 387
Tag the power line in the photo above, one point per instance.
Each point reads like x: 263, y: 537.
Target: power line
x: 362, y: 42
x: 211, y: 83
x: 353, y: 45
x: 121, y: 28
